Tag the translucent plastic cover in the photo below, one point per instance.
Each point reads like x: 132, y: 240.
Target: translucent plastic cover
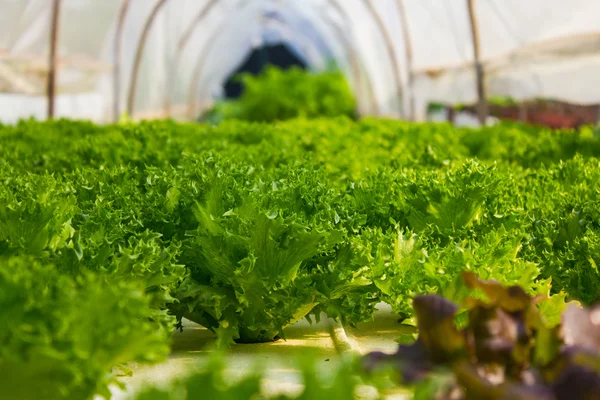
x: 533, y: 48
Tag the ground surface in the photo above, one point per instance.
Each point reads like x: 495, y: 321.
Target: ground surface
x: 192, y: 347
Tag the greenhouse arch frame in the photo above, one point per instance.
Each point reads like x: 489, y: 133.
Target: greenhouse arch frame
x: 373, y: 42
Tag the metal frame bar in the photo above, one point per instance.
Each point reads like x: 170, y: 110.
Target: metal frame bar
x: 288, y: 31
x: 409, y: 59
x: 53, y: 57
x: 197, y: 72
x: 353, y: 55
x: 198, y: 69
x: 389, y: 43
x: 139, y: 54
x: 117, y: 55
x: 350, y: 51
x: 185, y: 37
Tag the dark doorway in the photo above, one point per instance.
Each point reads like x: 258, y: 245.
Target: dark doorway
x: 278, y: 55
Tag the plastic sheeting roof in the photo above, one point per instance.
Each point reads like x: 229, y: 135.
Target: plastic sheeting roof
x: 533, y: 48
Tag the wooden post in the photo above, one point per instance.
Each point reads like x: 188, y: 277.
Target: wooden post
x: 451, y: 114
x: 185, y: 37
x: 523, y: 112
x: 139, y: 54
x: 117, y: 56
x: 389, y: 43
x: 53, y: 57
x: 482, y: 111
x: 409, y: 59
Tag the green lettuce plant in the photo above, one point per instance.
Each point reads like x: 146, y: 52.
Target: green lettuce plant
x: 61, y: 336
x: 277, y: 95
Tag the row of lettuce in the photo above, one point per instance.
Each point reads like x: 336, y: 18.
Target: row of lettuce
x: 109, y: 235
x: 277, y: 95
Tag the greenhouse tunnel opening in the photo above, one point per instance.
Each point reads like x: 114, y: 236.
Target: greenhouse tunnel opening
x: 279, y: 55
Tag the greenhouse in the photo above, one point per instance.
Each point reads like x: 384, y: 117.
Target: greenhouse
x: 299, y: 199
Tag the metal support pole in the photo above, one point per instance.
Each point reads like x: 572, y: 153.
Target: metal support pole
x: 139, y: 54
x: 353, y: 53
x: 197, y: 74
x: 389, y: 43
x: 409, y: 59
x: 185, y: 37
x: 482, y: 109
x: 53, y: 57
x: 117, y: 56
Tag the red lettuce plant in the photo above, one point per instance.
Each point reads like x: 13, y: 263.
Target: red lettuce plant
x: 505, y: 351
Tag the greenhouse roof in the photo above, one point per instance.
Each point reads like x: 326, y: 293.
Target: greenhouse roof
x: 391, y: 51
